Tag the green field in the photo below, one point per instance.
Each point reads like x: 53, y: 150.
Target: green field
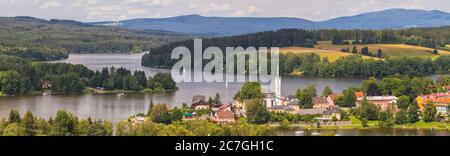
x: 390, y: 50
x: 332, y: 55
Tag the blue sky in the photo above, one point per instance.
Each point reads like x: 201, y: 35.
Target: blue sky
x: 95, y: 10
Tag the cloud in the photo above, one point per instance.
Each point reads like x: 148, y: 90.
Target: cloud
x: 250, y: 11
x: 211, y: 7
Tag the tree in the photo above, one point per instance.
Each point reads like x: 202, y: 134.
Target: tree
x: 401, y: 117
x: 327, y: 91
x: 365, y: 51
x: 217, y: 99
x: 355, y: 51
x: 435, y: 51
x: 69, y: 83
x: 29, y: 123
x: 348, y: 99
x: 413, y: 113
x: 306, y: 95
x: 14, y: 117
x: 429, y: 113
x: 364, y: 122
x: 14, y: 129
x: 367, y: 110
x: 160, y: 114
x: 370, y: 87
x: 403, y: 102
x: 380, y: 53
x: 337, y: 39
x: 250, y: 90
x: 386, y: 118
x: 64, y: 124
x: 257, y: 112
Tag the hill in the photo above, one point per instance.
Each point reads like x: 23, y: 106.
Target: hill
x: 24, y: 33
x: 389, y: 50
x: 332, y: 55
x: 225, y: 26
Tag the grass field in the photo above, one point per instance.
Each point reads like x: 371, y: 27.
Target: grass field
x: 331, y: 54
x: 390, y: 50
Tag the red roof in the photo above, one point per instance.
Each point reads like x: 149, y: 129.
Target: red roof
x: 225, y: 115
x: 359, y: 94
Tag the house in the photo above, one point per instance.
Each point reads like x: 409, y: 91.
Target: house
x: 384, y: 102
x: 46, y: 84
x: 200, y: 105
x: 224, y: 117
x: 313, y: 111
x: 321, y: 102
x: 442, y: 105
x: 269, y: 99
x: 138, y: 120
x: 332, y: 98
x: 332, y: 112
x: 188, y: 116
x: 198, y: 98
x: 281, y: 109
x: 225, y: 107
x: 329, y: 115
x: 238, y: 104
x: 294, y: 105
x: 359, y: 94
x: 435, y: 98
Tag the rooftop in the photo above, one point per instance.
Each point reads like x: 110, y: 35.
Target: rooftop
x: 378, y: 98
x: 311, y: 111
x: 225, y: 114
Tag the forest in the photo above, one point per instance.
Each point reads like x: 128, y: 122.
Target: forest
x: 22, y: 77
x: 356, y: 66
x: 436, y: 38
x: 53, y: 39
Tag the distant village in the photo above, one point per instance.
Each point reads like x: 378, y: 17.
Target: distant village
x: 324, y: 107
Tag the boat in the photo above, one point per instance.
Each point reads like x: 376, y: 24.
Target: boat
x: 120, y: 94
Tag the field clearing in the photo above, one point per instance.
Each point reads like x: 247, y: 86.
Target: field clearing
x: 390, y: 50
x: 332, y: 55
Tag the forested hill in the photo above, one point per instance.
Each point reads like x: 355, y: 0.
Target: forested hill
x: 226, y: 26
x: 30, y: 37
x: 426, y: 37
x: 160, y: 57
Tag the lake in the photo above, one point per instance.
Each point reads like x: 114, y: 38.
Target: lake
x: 113, y: 108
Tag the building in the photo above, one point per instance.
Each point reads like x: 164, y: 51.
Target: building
x: 331, y: 113
x: 46, y: 84
x: 282, y: 109
x: 224, y: 117
x: 442, y: 105
x: 436, y: 98
x: 313, y: 111
x: 332, y: 98
x: 321, y: 102
x: 384, y: 102
x: 269, y: 99
x: 198, y: 98
x: 188, y: 116
x: 359, y: 94
x: 200, y: 105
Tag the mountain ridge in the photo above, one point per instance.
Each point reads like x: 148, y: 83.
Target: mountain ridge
x: 394, y: 18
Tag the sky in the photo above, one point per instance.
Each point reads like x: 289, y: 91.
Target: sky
x: 101, y: 10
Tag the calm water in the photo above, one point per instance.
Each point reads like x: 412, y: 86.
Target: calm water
x: 113, y: 108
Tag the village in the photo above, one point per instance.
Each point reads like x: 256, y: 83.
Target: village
x: 324, y: 108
